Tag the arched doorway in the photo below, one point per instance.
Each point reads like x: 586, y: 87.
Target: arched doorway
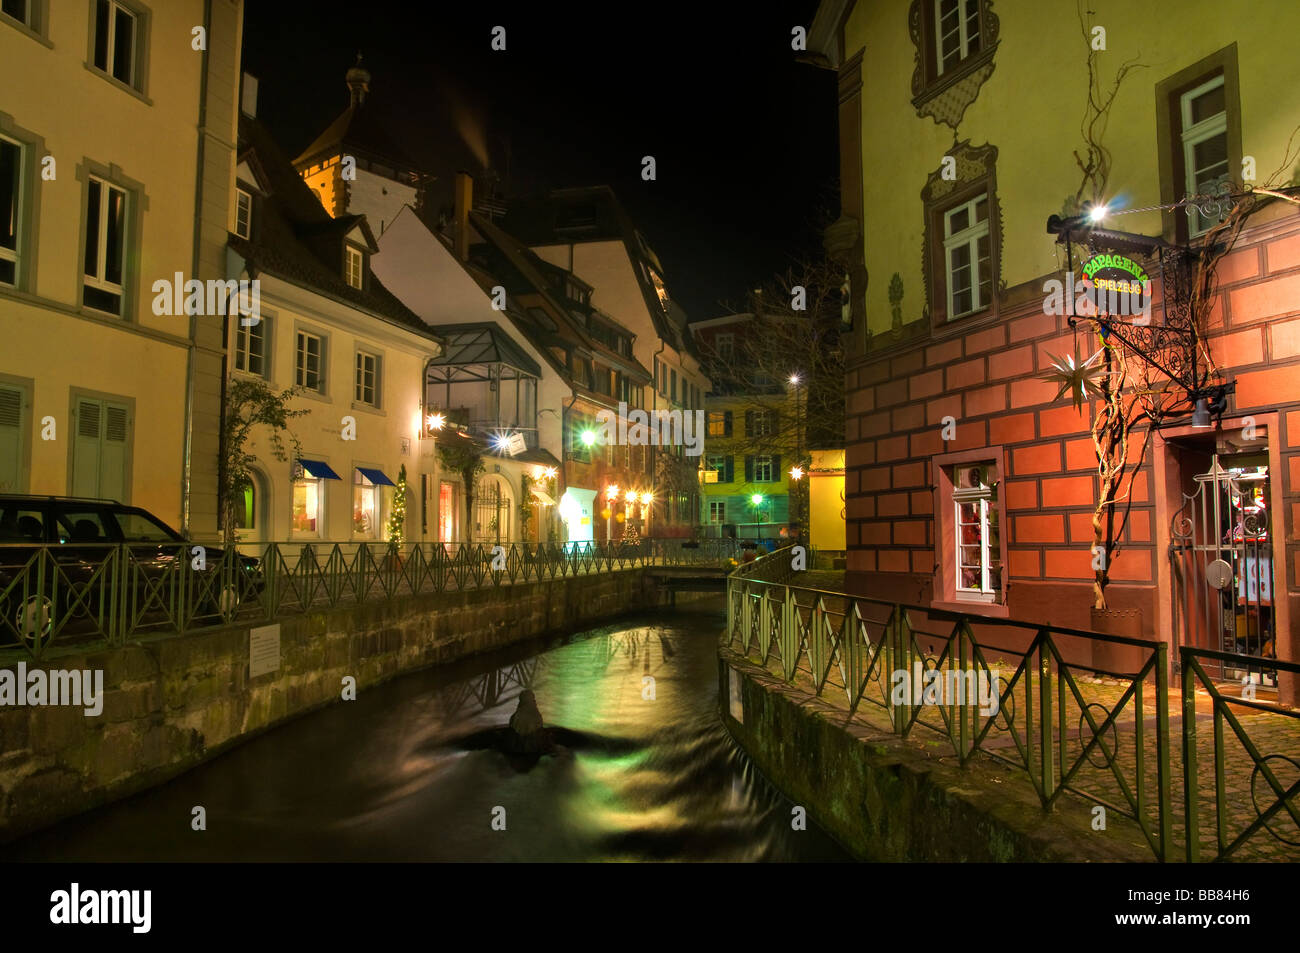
x: 493, y: 510
x: 253, y: 509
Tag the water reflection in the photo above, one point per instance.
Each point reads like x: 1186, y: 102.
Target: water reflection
x: 641, y: 770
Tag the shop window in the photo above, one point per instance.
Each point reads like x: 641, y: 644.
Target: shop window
x: 308, y: 505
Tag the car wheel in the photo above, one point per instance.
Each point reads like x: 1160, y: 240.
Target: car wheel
x: 34, y: 620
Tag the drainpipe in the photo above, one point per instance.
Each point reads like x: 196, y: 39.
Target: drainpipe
x: 654, y: 392
x: 194, y: 271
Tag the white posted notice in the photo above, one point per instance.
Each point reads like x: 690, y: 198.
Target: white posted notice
x: 263, y: 650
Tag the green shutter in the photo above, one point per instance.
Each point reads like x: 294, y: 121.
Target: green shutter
x: 11, y: 439
x: 85, y: 449
x: 776, y: 468
x: 749, y: 469
x: 112, y: 466
x: 729, y: 470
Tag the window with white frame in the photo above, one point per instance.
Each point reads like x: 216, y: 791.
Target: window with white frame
x: 761, y: 423
x: 957, y: 31
x: 21, y: 10
x: 243, y: 213
x: 764, y: 469
x: 250, y: 346
x: 310, y: 362
x: 725, y: 345
x: 977, y: 540
x: 117, y: 41
x: 1205, y: 146
x: 717, y: 511
x: 968, y: 256
x: 365, y: 506
x: 105, y: 252
x: 355, y: 266
x: 367, y: 384
x: 11, y: 184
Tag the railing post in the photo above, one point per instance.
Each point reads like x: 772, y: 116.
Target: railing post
x: 1191, y: 818
x: 1163, y: 792
x: 1048, y: 762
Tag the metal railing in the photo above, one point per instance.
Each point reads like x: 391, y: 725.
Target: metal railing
x: 53, y: 595
x: 1274, y: 786
x: 1062, y: 732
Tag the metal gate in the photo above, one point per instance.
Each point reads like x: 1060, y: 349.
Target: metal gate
x: 491, y: 512
x: 1221, y: 558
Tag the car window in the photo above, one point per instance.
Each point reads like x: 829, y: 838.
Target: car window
x: 139, y: 527
x: 77, y: 525
x: 19, y: 524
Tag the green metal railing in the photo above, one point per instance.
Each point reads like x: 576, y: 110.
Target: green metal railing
x: 1274, y: 787
x: 106, y: 593
x: 1064, y: 734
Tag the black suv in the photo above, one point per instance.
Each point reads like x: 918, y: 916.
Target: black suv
x: 80, y: 535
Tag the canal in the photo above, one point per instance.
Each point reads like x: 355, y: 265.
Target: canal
x: 413, y: 770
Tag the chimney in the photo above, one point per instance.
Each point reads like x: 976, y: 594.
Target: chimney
x: 464, y: 199
x: 358, y: 81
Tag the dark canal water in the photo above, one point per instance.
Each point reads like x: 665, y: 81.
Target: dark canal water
x: 407, y: 772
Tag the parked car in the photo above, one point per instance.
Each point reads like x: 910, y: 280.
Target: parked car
x: 79, y: 534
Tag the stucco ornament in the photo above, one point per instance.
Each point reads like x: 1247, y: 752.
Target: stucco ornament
x: 946, y: 98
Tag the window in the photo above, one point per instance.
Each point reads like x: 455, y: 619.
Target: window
x: 311, y: 362
x: 105, y: 246
x: 365, y: 506
x: 308, y: 495
x: 250, y: 347
x: 1205, y: 146
x: 760, y: 423
x: 719, y: 423
x: 116, y: 41
x: 355, y: 267
x: 725, y: 345
x: 367, y: 390
x: 11, y: 183
x: 20, y: 10
x: 143, y: 528
x: 717, y: 511
x: 723, y: 466
x: 246, y: 509
x: 978, y: 550
x: 101, y: 441
x: 764, y: 469
x: 967, y: 252
x: 957, y: 33
x: 243, y: 213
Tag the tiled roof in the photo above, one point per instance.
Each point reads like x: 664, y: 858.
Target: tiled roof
x: 294, y: 238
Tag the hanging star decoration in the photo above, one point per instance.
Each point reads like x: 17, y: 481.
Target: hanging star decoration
x: 1075, y: 376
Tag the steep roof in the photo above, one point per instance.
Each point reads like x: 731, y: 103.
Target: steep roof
x: 360, y: 132
x: 294, y: 238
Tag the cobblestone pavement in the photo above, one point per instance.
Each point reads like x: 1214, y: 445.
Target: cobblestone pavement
x: 1222, y: 816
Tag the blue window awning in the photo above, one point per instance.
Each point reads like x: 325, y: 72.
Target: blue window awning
x: 377, y: 477
x: 318, y: 469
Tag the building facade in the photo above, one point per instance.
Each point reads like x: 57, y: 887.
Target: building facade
x: 106, y: 389
x: 972, y: 480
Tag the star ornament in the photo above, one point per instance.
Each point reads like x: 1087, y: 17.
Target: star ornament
x: 1075, y: 376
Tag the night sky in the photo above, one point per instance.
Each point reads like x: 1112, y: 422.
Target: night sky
x: 743, y: 136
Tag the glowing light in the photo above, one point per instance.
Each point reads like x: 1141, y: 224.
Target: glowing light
x: 1097, y: 212
x: 437, y: 421
x: 794, y: 379
x: 631, y: 496
x: 611, y: 492
x: 588, y: 438
x: 647, y: 498
x: 756, y: 499
x: 550, y: 473
x: 796, y: 473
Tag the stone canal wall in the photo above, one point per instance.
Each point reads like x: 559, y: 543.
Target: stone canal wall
x: 885, y: 799
x: 171, y: 702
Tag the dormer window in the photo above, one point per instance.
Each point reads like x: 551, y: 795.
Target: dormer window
x: 355, y: 267
x: 243, y: 213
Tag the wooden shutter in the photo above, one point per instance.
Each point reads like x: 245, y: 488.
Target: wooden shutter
x: 726, y: 423
x: 85, y: 450
x: 11, y: 439
x: 749, y: 423
x: 776, y: 468
x: 729, y: 470
x: 112, y: 465
x: 749, y: 469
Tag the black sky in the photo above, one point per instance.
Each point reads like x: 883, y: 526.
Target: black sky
x: 743, y: 136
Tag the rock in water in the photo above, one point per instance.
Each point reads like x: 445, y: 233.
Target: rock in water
x: 526, y: 724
